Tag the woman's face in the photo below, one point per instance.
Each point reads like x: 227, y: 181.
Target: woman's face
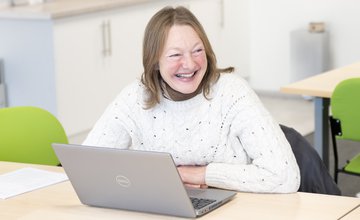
x: 183, y: 61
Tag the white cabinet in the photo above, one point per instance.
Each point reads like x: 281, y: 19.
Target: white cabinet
x: 95, y: 57
x: 78, y: 71
x: 73, y: 67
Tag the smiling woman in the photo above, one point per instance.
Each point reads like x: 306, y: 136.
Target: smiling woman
x: 212, y: 123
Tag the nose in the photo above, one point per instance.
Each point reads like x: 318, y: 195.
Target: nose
x: 188, y: 62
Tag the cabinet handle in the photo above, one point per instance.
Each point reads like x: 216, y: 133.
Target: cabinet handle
x: 109, y: 49
x: 106, y: 38
x: 104, y: 45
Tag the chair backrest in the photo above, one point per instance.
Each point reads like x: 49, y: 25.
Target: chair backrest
x: 315, y: 177
x: 26, y: 134
x: 345, y: 106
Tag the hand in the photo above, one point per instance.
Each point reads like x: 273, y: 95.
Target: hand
x: 193, y: 176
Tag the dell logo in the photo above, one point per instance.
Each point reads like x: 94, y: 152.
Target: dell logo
x: 123, y: 181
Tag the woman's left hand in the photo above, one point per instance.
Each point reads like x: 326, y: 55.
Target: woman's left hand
x: 193, y: 176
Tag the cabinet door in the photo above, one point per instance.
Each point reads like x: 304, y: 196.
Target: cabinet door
x: 81, y: 68
x: 96, y: 55
x: 127, y: 29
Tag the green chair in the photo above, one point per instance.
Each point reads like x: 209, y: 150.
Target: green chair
x: 345, y: 122
x: 26, y: 135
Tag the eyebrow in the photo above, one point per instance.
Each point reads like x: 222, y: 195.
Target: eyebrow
x: 195, y: 45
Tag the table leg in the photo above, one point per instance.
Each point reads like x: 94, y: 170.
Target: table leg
x: 321, y: 133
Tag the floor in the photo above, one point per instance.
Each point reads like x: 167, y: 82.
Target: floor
x: 293, y: 111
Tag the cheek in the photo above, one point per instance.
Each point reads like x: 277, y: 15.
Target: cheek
x: 169, y: 68
x: 201, y: 61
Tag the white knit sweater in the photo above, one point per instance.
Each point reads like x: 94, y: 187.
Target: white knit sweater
x: 232, y: 133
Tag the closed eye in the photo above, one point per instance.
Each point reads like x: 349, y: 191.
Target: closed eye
x: 175, y: 55
x: 198, y: 51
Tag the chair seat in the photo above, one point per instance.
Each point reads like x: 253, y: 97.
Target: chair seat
x: 354, y: 165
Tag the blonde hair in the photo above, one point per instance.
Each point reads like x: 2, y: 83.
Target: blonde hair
x: 155, y: 36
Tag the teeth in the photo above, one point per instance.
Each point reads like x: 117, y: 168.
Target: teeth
x: 184, y: 75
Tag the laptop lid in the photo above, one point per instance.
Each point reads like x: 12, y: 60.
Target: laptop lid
x: 132, y: 180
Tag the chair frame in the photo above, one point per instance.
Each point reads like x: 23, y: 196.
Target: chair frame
x: 335, y: 127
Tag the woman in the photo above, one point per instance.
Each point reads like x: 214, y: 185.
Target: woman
x: 212, y: 123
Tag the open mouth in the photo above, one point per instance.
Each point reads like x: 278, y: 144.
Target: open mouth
x: 185, y: 75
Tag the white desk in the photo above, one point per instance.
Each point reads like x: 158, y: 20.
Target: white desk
x: 60, y: 202
x: 321, y: 87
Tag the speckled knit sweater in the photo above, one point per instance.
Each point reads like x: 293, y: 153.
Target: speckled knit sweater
x: 232, y: 133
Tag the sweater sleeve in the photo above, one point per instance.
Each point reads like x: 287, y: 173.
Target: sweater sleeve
x: 271, y: 166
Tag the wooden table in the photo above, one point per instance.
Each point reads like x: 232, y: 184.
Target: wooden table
x: 60, y: 202
x: 321, y: 87
x: 353, y: 214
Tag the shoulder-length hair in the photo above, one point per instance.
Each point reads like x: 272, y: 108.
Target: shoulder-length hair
x: 155, y: 36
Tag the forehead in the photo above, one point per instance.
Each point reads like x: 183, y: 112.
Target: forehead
x: 181, y: 35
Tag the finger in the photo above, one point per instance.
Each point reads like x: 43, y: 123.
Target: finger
x: 204, y: 186
x: 192, y: 185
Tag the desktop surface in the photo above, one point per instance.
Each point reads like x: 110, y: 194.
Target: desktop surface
x: 322, y: 85
x: 61, y: 202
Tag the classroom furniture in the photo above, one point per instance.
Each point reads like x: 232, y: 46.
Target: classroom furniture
x: 321, y: 87
x: 60, y: 202
x: 345, y: 123
x: 26, y: 135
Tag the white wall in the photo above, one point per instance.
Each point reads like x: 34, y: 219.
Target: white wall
x: 236, y: 14
x: 271, y: 23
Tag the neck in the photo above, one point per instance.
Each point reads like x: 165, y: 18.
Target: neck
x: 178, y: 96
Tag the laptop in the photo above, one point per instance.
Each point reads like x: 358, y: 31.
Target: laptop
x: 134, y: 180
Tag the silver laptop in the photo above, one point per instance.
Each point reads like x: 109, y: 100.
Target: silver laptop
x: 134, y: 180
